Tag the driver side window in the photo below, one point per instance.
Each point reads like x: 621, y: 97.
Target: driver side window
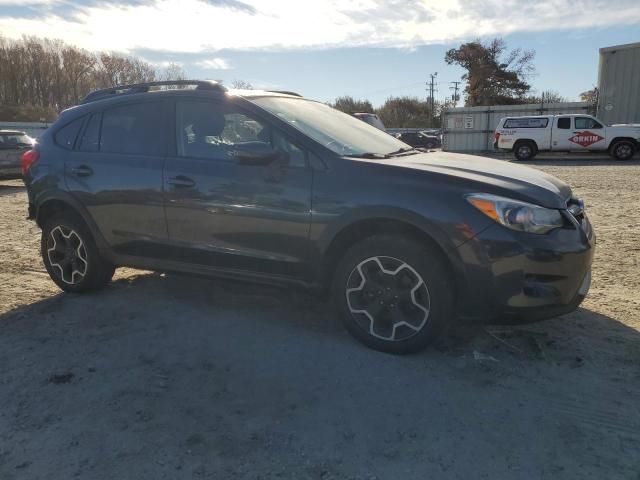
x: 586, y: 122
x: 210, y: 131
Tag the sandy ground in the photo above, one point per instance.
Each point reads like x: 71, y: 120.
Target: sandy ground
x: 171, y: 377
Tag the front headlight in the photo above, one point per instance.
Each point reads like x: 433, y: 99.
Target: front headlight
x: 517, y: 215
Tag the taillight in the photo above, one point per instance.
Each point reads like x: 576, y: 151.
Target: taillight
x: 497, y: 136
x: 27, y: 159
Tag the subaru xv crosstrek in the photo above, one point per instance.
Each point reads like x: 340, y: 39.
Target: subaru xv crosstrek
x: 275, y: 188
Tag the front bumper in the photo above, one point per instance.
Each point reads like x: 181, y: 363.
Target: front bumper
x: 516, y: 276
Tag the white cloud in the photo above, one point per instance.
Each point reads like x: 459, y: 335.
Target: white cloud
x: 214, y: 64
x: 197, y: 25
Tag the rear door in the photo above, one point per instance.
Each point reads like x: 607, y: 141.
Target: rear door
x: 579, y: 133
x: 228, y: 215
x: 116, y: 173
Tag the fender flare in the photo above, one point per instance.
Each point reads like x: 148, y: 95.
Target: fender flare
x: 68, y: 199
x: 396, y: 214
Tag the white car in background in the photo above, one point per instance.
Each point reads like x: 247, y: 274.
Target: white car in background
x: 526, y: 136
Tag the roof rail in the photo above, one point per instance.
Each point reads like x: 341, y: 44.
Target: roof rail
x: 144, y: 87
x: 285, y: 92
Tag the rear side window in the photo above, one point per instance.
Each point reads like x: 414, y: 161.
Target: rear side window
x: 564, y: 123
x: 66, y: 136
x: 133, y: 130
x: 90, y: 140
x: 526, y: 123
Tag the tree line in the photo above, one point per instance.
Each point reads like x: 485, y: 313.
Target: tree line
x: 41, y: 77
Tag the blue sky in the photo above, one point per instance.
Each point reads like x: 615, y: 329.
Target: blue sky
x: 369, y: 49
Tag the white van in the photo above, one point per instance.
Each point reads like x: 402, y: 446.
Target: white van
x: 526, y: 136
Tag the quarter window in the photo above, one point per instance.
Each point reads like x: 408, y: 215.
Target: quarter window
x: 526, y: 123
x: 564, y: 123
x: 133, y: 130
x: 66, y: 136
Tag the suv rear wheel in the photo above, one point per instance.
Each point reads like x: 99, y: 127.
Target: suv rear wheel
x: 524, y: 150
x: 623, y: 150
x: 393, y: 294
x: 71, y: 257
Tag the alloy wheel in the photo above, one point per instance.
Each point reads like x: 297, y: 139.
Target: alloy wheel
x: 67, y: 254
x: 388, y: 298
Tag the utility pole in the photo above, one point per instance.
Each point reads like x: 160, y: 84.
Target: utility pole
x: 431, y: 89
x: 455, y: 89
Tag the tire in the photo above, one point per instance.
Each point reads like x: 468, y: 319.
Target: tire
x: 623, y: 150
x: 393, y: 312
x: 524, y: 151
x: 71, y: 256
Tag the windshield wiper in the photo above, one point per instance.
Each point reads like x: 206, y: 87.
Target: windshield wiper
x: 404, y: 150
x: 369, y: 155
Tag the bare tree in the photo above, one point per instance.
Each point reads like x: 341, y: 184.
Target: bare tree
x: 241, y: 85
x: 39, y: 77
x: 77, y: 66
x: 173, y: 71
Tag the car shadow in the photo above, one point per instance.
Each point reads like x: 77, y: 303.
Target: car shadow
x: 160, y: 293
x: 8, y: 187
x: 214, y: 376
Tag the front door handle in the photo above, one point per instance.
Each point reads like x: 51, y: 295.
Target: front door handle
x: 82, y: 171
x: 181, y: 182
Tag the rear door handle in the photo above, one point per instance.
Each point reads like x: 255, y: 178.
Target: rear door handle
x: 82, y: 171
x: 181, y: 182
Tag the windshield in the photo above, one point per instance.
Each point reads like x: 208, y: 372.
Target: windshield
x: 341, y: 133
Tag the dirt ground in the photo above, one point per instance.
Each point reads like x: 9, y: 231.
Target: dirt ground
x: 171, y: 377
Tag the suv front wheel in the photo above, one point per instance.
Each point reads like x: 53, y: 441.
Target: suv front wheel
x: 71, y: 256
x: 393, y: 294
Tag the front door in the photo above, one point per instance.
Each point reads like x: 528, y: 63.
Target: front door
x: 578, y: 134
x: 115, y: 171
x: 233, y: 216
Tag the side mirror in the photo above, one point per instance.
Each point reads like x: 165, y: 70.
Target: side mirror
x: 254, y: 153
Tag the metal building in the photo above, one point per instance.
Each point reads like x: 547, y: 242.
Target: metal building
x: 619, y: 84
x: 471, y: 129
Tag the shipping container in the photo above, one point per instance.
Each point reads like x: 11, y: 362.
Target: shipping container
x: 471, y: 129
x: 619, y: 84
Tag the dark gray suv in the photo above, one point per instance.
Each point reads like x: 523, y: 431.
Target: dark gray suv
x: 13, y: 143
x: 275, y: 188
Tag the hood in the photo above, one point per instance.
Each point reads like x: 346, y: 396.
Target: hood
x: 486, y: 175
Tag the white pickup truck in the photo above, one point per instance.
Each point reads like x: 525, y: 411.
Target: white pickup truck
x: 526, y: 136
